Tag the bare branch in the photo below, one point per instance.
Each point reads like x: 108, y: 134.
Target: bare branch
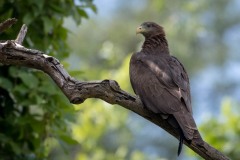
x: 7, y: 24
x: 77, y: 92
x: 21, y: 34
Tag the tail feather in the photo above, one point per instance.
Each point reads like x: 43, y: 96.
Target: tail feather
x: 181, y: 137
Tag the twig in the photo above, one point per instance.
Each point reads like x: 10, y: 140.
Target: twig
x: 7, y: 24
x: 21, y: 34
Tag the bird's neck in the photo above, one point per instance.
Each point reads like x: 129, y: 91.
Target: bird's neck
x: 157, y: 42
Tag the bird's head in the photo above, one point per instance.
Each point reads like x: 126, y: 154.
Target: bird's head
x: 149, y: 29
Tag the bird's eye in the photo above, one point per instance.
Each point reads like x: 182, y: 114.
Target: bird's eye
x: 148, y: 25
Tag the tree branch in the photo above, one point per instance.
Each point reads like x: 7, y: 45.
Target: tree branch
x: 6, y: 24
x: 21, y: 34
x: 12, y: 53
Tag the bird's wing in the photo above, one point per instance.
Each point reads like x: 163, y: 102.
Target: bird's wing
x: 159, y: 86
x: 180, y: 77
x: 147, y: 82
x: 172, y: 75
x: 164, y: 72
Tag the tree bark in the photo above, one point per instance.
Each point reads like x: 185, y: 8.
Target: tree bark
x: 13, y: 53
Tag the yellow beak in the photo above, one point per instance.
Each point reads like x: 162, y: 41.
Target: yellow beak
x: 140, y: 29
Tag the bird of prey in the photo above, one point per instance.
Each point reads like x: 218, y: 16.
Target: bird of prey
x: 162, y: 83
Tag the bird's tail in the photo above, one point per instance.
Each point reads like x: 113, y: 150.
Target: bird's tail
x: 181, y: 137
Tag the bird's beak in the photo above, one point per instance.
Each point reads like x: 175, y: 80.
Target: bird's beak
x: 139, y: 29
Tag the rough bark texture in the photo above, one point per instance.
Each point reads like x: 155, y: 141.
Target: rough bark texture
x: 12, y: 53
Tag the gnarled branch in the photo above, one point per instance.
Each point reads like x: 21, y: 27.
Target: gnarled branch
x: 12, y: 53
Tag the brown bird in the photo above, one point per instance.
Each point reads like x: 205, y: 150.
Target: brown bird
x: 162, y: 83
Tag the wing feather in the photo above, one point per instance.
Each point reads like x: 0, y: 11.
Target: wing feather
x: 153, y: 92
x: 163, y: 86
x: 172, y: 75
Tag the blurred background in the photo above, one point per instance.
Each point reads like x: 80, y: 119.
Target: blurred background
x: 94, y: 40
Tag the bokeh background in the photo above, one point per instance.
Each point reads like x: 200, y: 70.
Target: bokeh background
x: 94, y: 40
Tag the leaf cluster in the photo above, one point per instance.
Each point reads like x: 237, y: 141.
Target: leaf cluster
x: 33, y: 112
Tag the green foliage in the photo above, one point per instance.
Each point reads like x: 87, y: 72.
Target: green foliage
x: 45, y: 21
x: 222, y: 132
x: 34, y: 114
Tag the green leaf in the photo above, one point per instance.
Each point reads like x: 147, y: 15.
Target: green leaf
x: 13, y: 71
x: 48, y: 88
x: 15, y: 147
x: 56, y: 8
x: 22, y: 89
x: 6, y: 83
x: 82, y: 12
x: 29, y: 79
x: 94, y: 8
x: 39, y: 4
x: 47, y: 24
x: 68, y: 139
